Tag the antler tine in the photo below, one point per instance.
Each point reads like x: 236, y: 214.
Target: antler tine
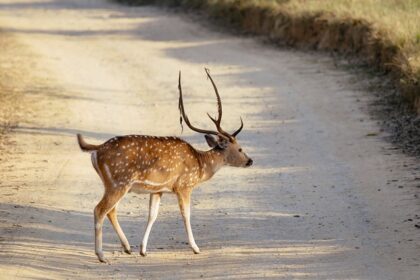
x: 239, y: 130
x: 219, y: 101
x: 212, y: 119
x: 183, y: 115
x: 217, y: 121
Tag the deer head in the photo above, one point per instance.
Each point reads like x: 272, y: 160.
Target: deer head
x: 219, y: 140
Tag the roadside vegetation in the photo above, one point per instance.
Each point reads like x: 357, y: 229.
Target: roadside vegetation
x: 397, y: 21
x: 382, y: 33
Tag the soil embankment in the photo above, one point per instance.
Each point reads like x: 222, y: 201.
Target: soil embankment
x: 313, y: 30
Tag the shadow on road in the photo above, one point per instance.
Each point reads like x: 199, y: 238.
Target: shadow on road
x: 52, y: 231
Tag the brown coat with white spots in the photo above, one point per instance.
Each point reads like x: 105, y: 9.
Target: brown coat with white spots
x: 155, y: 165
x: 149, y: 164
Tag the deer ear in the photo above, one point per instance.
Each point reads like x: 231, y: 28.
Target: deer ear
x: 222, y: 143
x: 211, y: 140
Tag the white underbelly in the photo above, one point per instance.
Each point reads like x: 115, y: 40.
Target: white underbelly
x: 147, y: 186
x: 136, y: 188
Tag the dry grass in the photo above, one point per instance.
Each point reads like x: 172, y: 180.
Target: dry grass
x: 398, y: 20
x: 382, y: 33
x: 14, y: 72
x: 7, y: 96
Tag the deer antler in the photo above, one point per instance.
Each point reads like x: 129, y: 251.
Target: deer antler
x: 183, y: 115
x: 239, y: 129
x: 217, y: 121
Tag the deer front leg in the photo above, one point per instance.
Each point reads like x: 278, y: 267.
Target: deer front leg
x: 153, y: 212
x: 184, y: 198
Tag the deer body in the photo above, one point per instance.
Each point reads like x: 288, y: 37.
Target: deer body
x: 150, y: 164
x: 157, y: 165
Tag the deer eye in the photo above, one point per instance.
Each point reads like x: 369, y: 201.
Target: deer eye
x: 240, y: 150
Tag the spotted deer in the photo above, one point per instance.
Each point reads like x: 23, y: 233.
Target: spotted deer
x: 157, y: 165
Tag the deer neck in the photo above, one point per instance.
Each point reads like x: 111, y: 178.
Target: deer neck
x: 211, y: 161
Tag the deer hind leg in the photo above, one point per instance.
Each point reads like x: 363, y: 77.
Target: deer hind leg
x: 153, y: 212
x: 108, y: 202
x: 112, y: 216
x: 184, y: 198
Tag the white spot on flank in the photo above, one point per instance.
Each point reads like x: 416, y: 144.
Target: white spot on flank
x: 108, y: 173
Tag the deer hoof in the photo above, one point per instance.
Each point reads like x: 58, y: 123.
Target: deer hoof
x: 196, y: 250
x: 142, y: 252
x: 127, y: 251
x: 101, y: 258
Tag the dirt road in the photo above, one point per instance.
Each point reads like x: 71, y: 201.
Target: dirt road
x: 327, y: 198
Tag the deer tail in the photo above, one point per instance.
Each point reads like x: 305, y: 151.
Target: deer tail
x: 85, y: 147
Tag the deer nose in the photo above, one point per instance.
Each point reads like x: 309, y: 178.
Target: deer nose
x: 249, y: 163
